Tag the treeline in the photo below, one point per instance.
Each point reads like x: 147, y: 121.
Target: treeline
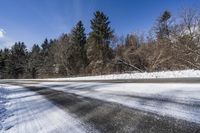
x: 173, y: 44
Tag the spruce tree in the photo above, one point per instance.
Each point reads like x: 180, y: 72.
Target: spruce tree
x: 45, y: 48
x: 6, y: 69
x: 47, y: 54
x: 18, y: 60
x: 76, y: 57
x: 101, y: 30
x: 98, y: 50
x: 78, y: 34
x: 35, y: 61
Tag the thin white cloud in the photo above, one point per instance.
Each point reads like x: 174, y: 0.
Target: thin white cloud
x: 5, y: 42
x: 2, y: 33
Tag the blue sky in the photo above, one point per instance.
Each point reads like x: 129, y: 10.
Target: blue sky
x: 32, y: 21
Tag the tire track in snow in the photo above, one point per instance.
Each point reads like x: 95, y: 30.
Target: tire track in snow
x: 112, y: 117
x: 4, y: 112
x: 33, y: 113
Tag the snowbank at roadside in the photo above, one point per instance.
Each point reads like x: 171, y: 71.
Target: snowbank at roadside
x: 134, y: 75
x: 151, y: 75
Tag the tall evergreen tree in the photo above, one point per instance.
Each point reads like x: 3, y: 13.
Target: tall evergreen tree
x: 18, y: 60
x: 98, y: 50
x: 78, y: 37
x: 47, y: 68
x: 45, y: 48
x: 78, y: 34
x: 101, y: 30
x: 74, y: 53
x: 35, y: 61
x: 6, y: 64
x: 100, y: 37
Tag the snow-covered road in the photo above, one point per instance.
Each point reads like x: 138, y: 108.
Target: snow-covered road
x: 175, y: 100
x: 24, y: 111
x: 84, y: 107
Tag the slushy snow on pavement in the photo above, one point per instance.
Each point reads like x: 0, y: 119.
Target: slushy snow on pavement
x: 23, y: 111
x: 181, y: 101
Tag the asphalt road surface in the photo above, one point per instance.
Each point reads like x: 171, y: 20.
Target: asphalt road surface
x: 111, y: 117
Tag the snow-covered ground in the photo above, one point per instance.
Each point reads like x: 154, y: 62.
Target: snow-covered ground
x: 136, y: 75
x: 145, y: 75
x: 24, y: 111
x: 3, y: 111
x: 181, y: 101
